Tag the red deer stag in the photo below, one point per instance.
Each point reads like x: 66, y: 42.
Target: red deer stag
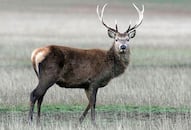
x: 80, y: 68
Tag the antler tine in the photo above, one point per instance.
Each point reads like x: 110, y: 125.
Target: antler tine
x: 140, y: 20
x: 100, y: 16
x: 98, y: 13
x: 129, y: 28
x: 116, y: 27
x: 140, y: 14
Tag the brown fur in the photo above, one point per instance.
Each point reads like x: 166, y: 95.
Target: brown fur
x: 75, y: 68
x: 79, y: 68
x: 38, y: 56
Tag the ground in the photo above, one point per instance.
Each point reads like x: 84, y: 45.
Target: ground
x: 156, y: 83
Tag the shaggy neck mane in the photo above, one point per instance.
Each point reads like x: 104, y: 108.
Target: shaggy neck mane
x: 118, y: 61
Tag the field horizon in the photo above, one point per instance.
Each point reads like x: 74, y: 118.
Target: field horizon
x: 153, y: 93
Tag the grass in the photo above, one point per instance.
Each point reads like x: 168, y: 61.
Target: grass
x: 163, y: 86
x: 154, y: 92
x: 100, y: 108
x: 109, y: 117
x: 160, y: 57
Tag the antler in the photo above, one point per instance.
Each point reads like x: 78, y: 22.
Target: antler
x: 140, y: 18
x: 100, y: 16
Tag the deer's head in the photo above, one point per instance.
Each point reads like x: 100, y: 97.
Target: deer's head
x: 121, y: 40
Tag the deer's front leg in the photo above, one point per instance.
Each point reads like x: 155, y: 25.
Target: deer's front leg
x: 93, y: 93
x: 87, y: 108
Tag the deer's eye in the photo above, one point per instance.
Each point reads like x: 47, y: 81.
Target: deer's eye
x: 116, y: 40
x: 127, y: 39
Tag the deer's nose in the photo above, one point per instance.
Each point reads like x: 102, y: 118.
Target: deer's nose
x: 123, y: 47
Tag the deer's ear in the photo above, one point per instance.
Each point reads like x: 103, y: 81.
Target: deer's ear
x: 111, y: 33
x: 132, y: 34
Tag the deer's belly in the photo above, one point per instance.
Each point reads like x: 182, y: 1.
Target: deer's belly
x: 68, y: 84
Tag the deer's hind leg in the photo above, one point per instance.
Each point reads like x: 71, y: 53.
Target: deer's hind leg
x: 37, y: 95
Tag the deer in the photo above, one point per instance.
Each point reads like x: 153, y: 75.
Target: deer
x: 88, y: 69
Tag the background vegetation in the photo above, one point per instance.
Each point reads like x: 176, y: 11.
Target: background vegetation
x: 154, y: 92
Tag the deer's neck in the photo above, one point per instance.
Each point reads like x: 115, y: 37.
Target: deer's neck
x: 119, y: 62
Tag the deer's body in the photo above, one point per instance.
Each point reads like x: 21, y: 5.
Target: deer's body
x: 79, y: 68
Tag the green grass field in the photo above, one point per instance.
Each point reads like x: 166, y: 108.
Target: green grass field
x: 154, y: 93
x: 109, y: 117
